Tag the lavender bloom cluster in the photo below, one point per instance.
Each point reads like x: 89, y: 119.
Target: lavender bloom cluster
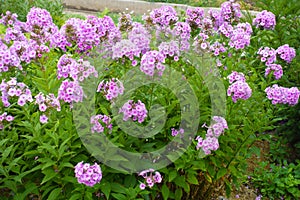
x: 217, y: 48
x: 265, y: 20
x: 211, y: 143
x: 282, y: 95
x: 200, y: 43
x: 5, y: 117
x: 135, y: 111
x: 182, y: 31
x: 90, y: 32
x: 150, y: 178
x: 176, y: 132
x: 100, y: 122
x: 230, y: 11
x: 140, y: 36
x: 277, y: 70
x: 152, y: 61
x: 46, y: 102
x: 240, y: 36
x: 238, y: 89
x: 111, y: 89
x: 163, y: 16
x: 87, y: 174
x: 77, y: 70
x: 194, y: 17
x: 286, y: 53
x: 125, y: 48
x: 70, y: 91
x: 170, y: 49
x: 267, y: 55
x: 11, y: 89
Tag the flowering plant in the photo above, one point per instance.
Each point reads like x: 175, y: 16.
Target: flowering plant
x: 63, y: 89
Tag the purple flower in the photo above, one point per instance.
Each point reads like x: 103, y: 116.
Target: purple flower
x: 265, y: 20
x: 211, y: 143
x: 111, y: 89
x: 267, y: 55
x: 194, y: 17
x: 87, y: 174
x: 164, y: 16
x: 151, y: 62
x: 135, y: 111
x: 282, y: 95
x: 150, y: 178
x: 5, y: 117
x: 70, y: 91
x: 13, y: 89
x: 100, y: 122
x: 277, y: 70
x: 43, y: 119
x: 286, y: 53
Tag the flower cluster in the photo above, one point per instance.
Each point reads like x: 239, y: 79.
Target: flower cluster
x: 90, y: 32
x: 286, y: 53
x: 88, y: 174
x: 152, y: 60
x: 230, y: 12
x: 236, y: 76
x: 282, y: 95
x: 194, y: 17
x: 182, y: 31
x: 265, y: 20
x: 111, y: 89
x: 240, y: 37
x: 99, y: 122
x: 176, y: 132
x: 277, y: 69
x: 40, y: 25
x: 140, y: 37
x: 239, y: 88
x: 164, y: 16
x: 267, y: 55
x: 70, y: 91
x: 45, y: 102
x: 150, y: 177
x: 170, y: 49
x: 125, y: 22
x: 14, y: 34
x: 136, y: 111
x: 125, y: 48
x: 226, y: 29
x: 11, y: 89
x: 11, y: 20
x: 200, y: 43
x: 217, y: 48
x: 77, y: 70
x: 5, y: 117
x: 211, y: 143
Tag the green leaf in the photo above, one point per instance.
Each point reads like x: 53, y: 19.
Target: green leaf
x: 165, y: 191
x: 76, y: 196
x: 49, y: 174
x: 54, y: 194
x: 191, y: 178
x: 172, y: 175
x: 221, y: 173
x: 106, y: 188
x: 180, y: 181
x: 178, y: 194
x: 119, y: 196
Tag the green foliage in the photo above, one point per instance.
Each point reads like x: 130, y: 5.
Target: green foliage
x: 279, y: 181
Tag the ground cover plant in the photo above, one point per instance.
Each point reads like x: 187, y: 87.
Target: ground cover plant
x: 169, y: 107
